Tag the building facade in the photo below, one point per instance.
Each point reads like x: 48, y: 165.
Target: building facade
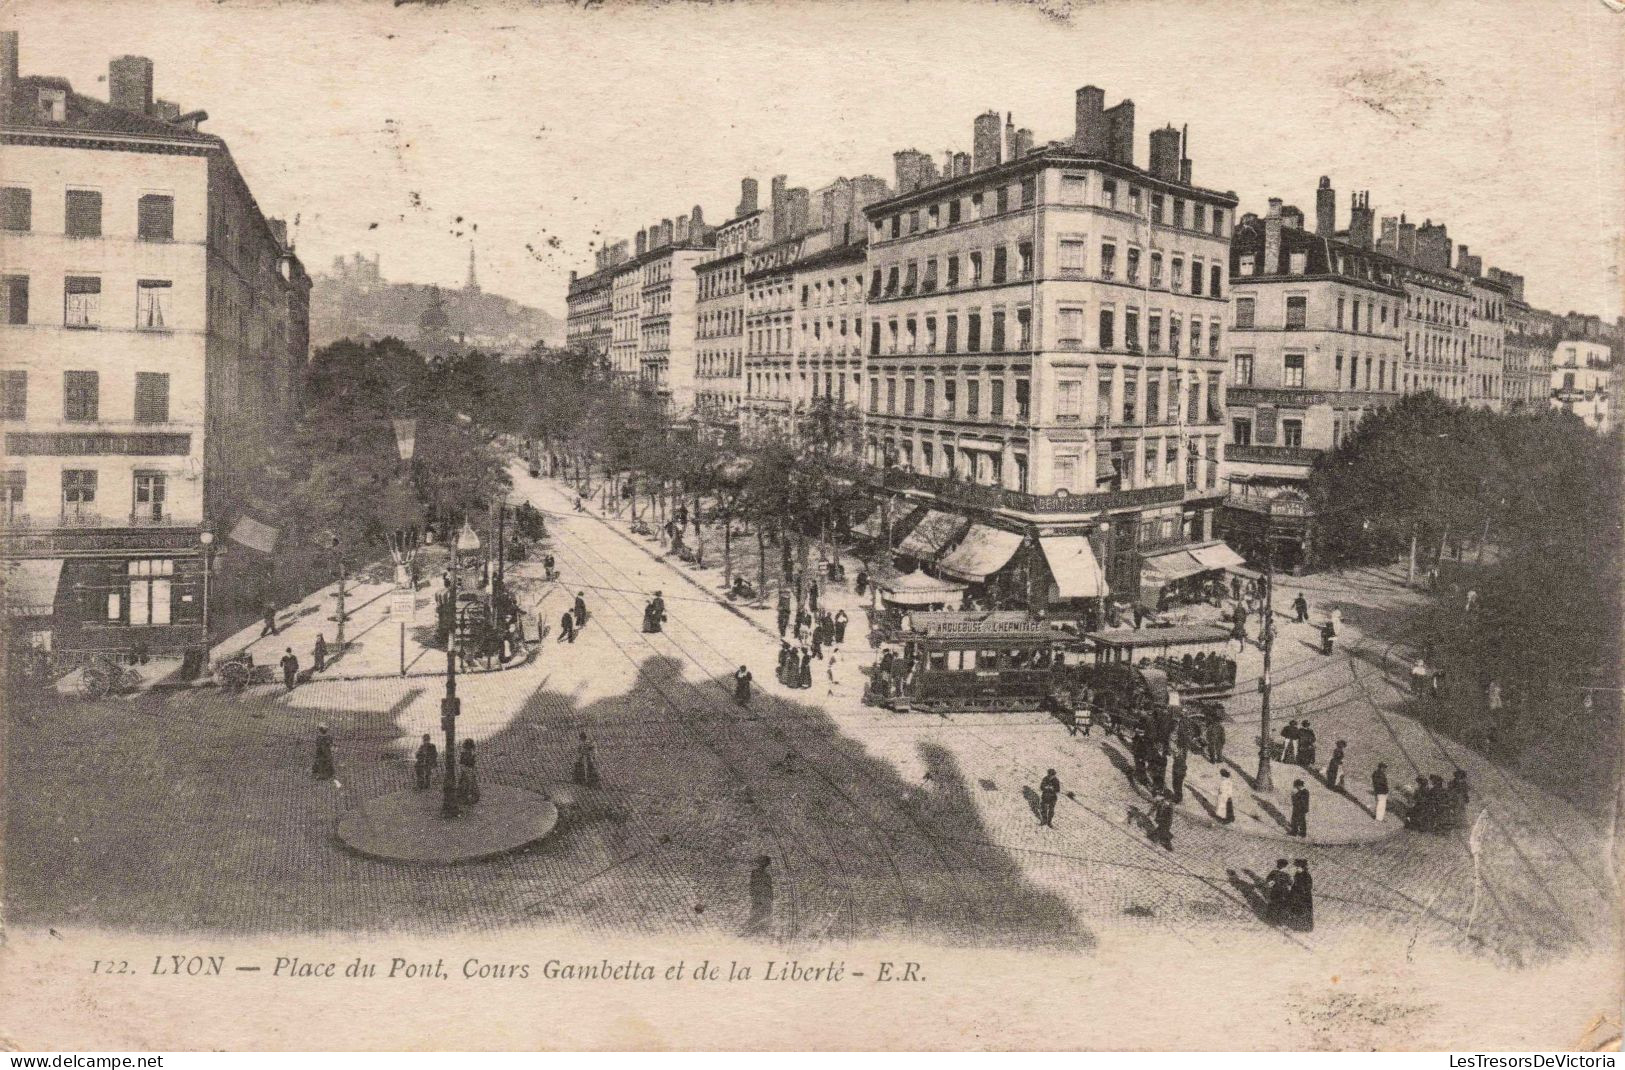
x: 770, y: 312
x: 156, y: 329
x: 1486, y: 353
x: 1045, y: 360
x: 719, y: 367
x: 667, y: 324
x: 1315, y: 345
x: 1582, y: 382
x: 828, y: 290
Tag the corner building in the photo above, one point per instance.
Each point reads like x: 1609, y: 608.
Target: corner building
x: 156, y: 325
x: 1044, y: 356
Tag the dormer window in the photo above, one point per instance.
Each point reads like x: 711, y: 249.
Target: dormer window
x: 53, y: 105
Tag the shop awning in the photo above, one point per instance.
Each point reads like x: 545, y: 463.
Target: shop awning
x: 1072, y: 562
x: 1159, y: 570
x: 254, y: 535
x: 1218, y: 556
x: 30, y: 587
x: 934, y: 531
x: 918, y: 589
x: 983, y: 552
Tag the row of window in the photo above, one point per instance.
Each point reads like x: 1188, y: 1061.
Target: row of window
x: 760, y: 384
x: 82, y: 213
x: 82, y: 302
x: 1121, y: 465
x: 149, y: 495
x: 905, y: 335
x: 1133, y: 407
x: 81, y: 396
x: 1293, y: 366
x: 836, y: 291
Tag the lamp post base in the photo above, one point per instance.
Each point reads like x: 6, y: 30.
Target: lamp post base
x: 407, y: 826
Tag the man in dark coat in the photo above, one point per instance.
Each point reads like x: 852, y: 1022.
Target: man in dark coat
x: 761, y: 896
x: 468, y: 781
x: 1306, y: 745
x: 322, y: 768
x: 1179, y: 774
x: 812, y: 595
x: 840, y: 626
x: 804, y: 670
x: 1157, y: 760
x: 1299, y: 825
x: 318, y: 653
x: 424, y: 763
x: 659, y: 604
x: 1327, y: 634
x: 742, y: 686
x: 581, y: 610
x: 1140, y: 747
x: 1215, y: 739
x: 1301, y: 898
x: 1277, y: 894
x: 803, y: 622
x: 818, y: 642
x: 1049, y: 789
x: 586, y: 767
x: 270, y: 621
x: 1300, y: 606
x: 784, y: 611
x: 861, y: 583
x: 290, y: 669
x: 567, y: 627
x: 1289, y: 745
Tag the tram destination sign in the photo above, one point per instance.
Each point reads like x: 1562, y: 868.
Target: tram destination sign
x: 976, y: 624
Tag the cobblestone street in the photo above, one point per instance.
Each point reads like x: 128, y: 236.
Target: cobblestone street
x: 196, y: 809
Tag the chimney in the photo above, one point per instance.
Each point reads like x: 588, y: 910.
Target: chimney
x: 1390, y: 234
x: 1089, y: 129
x: 1009, y: 147
x: 1120, y: 132
x: 1185, y: 154
x: 129, y: 84
x: 1024, y: 143
x: 961, y: 164
x: 1272, y: 238
x: 9, y: 71
x: 1407, y: 239
x: 1292, y: 216
x: 1165, y: 153
x: 1360, y: 220
x: 985, y: 148
x: 1325, y: 208
x: 665, y: 232
x: 696, y: 219
x: 907, y: 162
x: 680, y: 232
x: 799, y: 208
x: 747, y: 196
x: 777, y: 206
x: 641, y: 242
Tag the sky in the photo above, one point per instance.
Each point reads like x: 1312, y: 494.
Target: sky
x: 538, y: 131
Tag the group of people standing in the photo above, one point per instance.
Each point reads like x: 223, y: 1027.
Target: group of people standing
x: 427, y: 761
x: 1289, y: 897
x: 1436, y: 806
x: 573, y: 620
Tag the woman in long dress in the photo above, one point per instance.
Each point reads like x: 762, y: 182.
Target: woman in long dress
x: 742, y: 686
x: 468, y: 781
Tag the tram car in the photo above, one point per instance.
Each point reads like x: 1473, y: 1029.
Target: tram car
x: 953, y: 662
x: 1193, y: 659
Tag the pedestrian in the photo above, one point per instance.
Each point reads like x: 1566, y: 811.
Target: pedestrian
x: 1289, y: 748
x: 1179, y: 774
x: 468, y: 781
x: 290, y: 669
x: 841, y: 620
x: 1492, y: 699
x: 581, y: 610
x: 1299, y: 825
x: 1379, y: 792
x: 1300, y: 606
x: 1419, y: 676
x: 784, y: 662
x: 318, y: 653
x: 651, y: 618
x: 1158, y: 760
x: 1140, y: 747
x: 1306, y: 746
x: 567, y: 627
x: 1277, y: 893
x: 659, y: 604
x: 1162, y: 810
x: 804, y: 675
x: 1238, y: 630
x: 1049, y: 789
x: 1214, y: 737
x: 803, y: 622
x: 585, y: 772
x: 742, y: 680
x: 322, y: 768
x: 1419, y: 814
x: 1438, y: 683
x: 270, y: 621
x: 812, y: 595
x: 423, y: 764
x: 829, y: 671
x: 1327, y: 634
x: 818, y: 643
x: 1334, y: 768
x: 1472, y: 600
x: 761, y: 896
x: 1444, y: 803
x: 1301, y: 898
x: 1226, y: 803
x: 784, y: 611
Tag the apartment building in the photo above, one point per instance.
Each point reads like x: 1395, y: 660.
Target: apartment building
x: 1582, y: 381
x: 589, y: 303
x: 719, y: 367
x: 156, y: 325
x: 1316, y: 344
x: 1487, y: 329
x: 828, y: 290
x: 770, y: 310
x: 1045, y: 361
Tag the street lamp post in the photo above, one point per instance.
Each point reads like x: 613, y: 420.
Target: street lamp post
x: 1263, y: 779
x: 206, y: 539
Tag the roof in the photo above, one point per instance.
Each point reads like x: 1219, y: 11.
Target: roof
x: 91, y: 116
x: 850, y: 253
x: 1137, y: 637
x: 1319, y: 260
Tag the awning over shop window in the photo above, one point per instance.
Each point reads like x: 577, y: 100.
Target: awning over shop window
x: 30, y: 587
x: 984, y: 551
x: 1159, y: 570
x: 254, y: 535
x: 1218, y: 556
x: 934, y: 531
x: 1072, y: 562
x: 918, y: 589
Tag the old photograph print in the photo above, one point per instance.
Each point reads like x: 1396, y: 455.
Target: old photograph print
x: 811, y: 525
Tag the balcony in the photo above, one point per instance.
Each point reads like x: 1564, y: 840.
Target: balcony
x: 1271, y: 454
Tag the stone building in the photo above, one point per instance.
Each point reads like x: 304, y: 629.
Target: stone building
x: 156, y: 329
x: 1316, y: 344
x: 1045, y: 363
x: 719, y: 366
x: 1582, y: 382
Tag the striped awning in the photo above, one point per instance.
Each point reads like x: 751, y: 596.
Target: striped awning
x: 254, y: 535
x: 1072, y: 563
x: 1218, y: 556
x: 1159, y: 570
